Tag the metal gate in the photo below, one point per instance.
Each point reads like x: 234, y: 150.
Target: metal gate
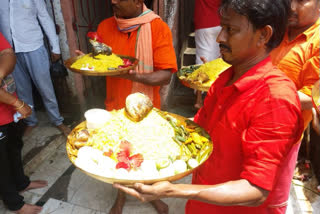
x: 87, y: 15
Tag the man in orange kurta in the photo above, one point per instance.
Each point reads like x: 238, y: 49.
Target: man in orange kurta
x: 164, y: 58
x: 136, y: 31
x: 298, y: 54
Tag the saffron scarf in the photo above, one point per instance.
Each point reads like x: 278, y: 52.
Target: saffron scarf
x: 143, y: 48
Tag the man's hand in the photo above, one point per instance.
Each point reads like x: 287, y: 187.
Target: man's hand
x: 147, y: 193
x: 25, y: 111
x: 79, y: 53
x: 203, y: 59
x: 131, y: 75
x: 55, y: 57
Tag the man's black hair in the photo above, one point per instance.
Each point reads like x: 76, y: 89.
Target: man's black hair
x: 261, y: 13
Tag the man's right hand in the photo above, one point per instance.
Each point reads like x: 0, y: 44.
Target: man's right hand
x: 55, y: 57
x: 79, y: 53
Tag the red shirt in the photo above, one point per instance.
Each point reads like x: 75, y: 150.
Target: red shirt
x: 206, y: 14
x: 6, y: 111
x: 253, y: 123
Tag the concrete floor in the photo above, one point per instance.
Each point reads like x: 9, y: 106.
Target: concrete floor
x: 72, y: 192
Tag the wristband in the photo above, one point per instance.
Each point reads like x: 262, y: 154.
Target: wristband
x: 20, y: 107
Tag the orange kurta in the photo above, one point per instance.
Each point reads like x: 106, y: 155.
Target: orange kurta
x: 164, y: 57
x: 299, y: 60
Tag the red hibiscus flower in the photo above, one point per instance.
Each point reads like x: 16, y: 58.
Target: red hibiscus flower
x: 126, y: 63
x: 94, y: 36
x: 125, y: 160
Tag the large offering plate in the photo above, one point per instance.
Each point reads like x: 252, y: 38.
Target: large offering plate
x: 128, y: 182
x: 105, y: 72
x: 316, y: 96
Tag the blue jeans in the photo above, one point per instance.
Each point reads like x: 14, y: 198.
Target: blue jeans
x: 34, y: 67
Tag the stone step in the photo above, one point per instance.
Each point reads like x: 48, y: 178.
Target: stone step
x: 45, y: 153
x: 190, y: 51
x: 189, y: 57
x: 54, y: 206
x: 304, y: 197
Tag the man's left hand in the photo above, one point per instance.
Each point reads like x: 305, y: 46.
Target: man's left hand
x: 147, y: 193
x: 55, y: 57
x: 130, y: 75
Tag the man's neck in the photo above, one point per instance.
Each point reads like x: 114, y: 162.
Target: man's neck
x: 242, y: 68
x: 139, y: 12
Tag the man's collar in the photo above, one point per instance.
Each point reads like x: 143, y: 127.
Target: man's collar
x: 310, y: 31
x: 253, y: 75
x: 306, y: 34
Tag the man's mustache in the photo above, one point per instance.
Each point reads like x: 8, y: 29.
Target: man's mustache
x: 224, y: 47
x: 293, y: 15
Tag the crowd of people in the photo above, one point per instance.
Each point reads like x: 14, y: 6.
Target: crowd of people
x: 263, y: 101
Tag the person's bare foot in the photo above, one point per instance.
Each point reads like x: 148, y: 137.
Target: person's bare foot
x: 29, y: 209
x: 119, y: 203
x: 160, y: 206
x: 28, y: 130
x: 36, y: 185
x: 64, y: 129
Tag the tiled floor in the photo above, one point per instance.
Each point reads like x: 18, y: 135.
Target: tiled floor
x: 72, y: 192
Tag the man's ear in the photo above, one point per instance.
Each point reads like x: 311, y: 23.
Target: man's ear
x: 265, y: 35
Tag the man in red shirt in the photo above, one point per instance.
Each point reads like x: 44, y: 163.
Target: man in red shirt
x: 12, y: 179
x: 252, y: 113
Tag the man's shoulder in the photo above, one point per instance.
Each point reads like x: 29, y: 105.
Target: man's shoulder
x: 159, y: 25
x: 310, y: 32
x: 313, y: 42
x: 108, y: 22
x: 280, y: 85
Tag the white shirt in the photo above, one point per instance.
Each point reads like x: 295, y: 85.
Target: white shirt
x: 21, y: 22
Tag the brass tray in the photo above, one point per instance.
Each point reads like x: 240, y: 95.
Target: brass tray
x: 217, y: 66
x: 106, y: 72
x: 199, y: 87
x: 316, y: 96
x: 189, y: 84
x: 131, y: 182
